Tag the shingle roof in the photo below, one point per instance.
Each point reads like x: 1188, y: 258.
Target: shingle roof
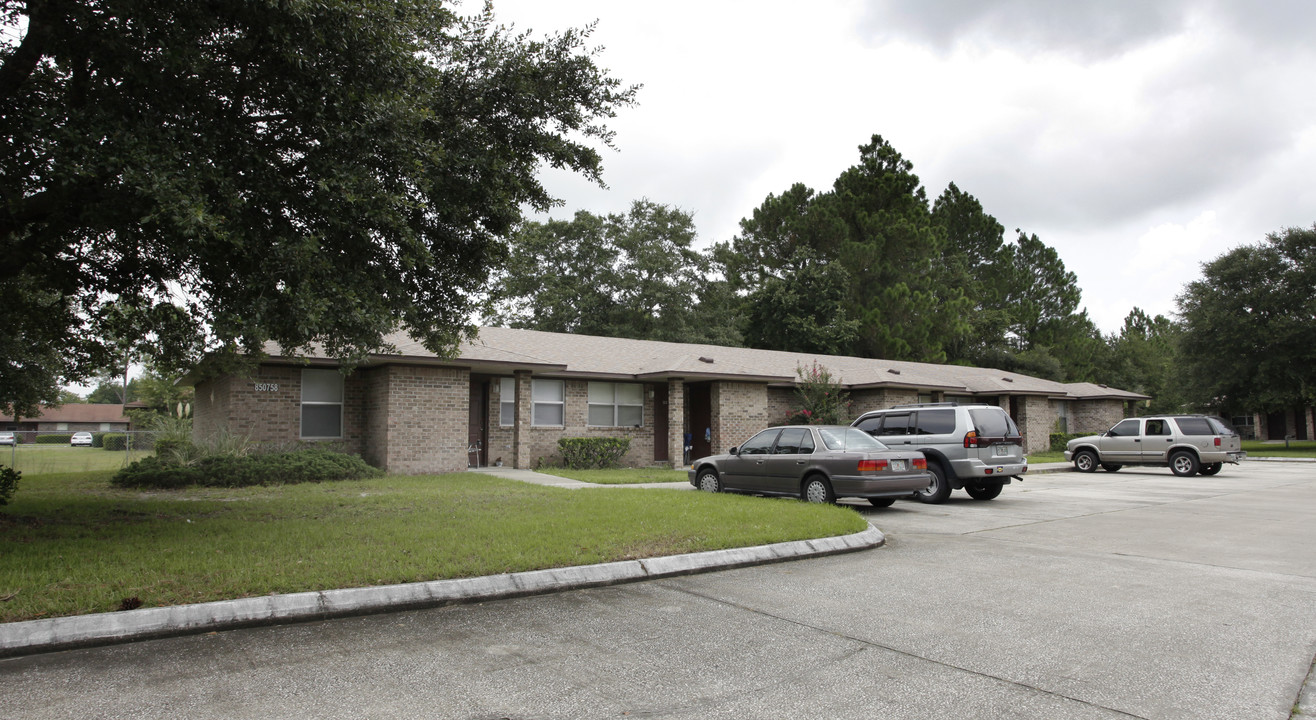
x: 78, y: 413
x: 563, y: 354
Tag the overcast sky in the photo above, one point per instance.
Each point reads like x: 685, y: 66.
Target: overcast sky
x: 1139, y: 138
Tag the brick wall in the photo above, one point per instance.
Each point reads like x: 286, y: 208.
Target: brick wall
x: 539, y: 443
x: 1089, y: 417
x: 862, y: 401
x: 266, y: 407
x: 1035, y: 419
x: 739, y: 411
x: 424, y: 415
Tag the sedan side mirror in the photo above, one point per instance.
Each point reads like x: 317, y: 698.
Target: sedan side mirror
x: 734, y: 451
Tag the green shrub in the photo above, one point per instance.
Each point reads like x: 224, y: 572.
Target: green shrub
x: 116, y: 442
x: 60, y: 439
x: 98, y: 439
x: 8, y: 484
x: 311, y: 464
x: 1059, y: 440
x: 592, y: 453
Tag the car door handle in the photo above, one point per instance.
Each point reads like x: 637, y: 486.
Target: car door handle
x: 799, y: 462
x: 1137, y: 439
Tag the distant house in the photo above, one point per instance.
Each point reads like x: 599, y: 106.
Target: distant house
x: 511, y: 394
x: 70, y: 417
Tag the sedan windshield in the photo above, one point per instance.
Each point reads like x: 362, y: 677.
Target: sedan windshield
x: 848, y: 438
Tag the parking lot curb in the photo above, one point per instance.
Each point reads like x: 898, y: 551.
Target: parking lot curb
x: 63, y: 633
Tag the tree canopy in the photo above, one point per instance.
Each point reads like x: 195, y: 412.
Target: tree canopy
x: 632, y: 275
x: 298, y: 172
x: 1249, y: 326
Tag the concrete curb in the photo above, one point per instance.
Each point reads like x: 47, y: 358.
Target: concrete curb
x: 36, y: 636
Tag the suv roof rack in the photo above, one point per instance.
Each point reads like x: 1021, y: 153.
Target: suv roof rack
x: 925, y: 405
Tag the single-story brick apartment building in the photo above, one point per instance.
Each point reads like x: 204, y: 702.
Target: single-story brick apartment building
x: 508, y: 396
x: 69, y: 417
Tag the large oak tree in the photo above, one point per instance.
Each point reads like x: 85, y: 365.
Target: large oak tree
x: 298, y: 171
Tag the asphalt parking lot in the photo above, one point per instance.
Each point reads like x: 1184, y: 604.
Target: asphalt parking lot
x: 1136, y: 594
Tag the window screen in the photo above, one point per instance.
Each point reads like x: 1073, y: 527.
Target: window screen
x: 322, y: 404
x: 507, y: 402
x: 547, y: 405
x: 616, y: 404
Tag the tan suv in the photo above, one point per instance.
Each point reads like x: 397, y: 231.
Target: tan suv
x: 975, y: 447
x: 1188, y: 444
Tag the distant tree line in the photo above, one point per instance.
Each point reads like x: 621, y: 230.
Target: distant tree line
x: 871, y: 268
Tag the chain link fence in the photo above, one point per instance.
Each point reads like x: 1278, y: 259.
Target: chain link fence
x: 40, y: 452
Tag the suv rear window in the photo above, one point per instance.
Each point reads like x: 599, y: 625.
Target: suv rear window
x: 993, y: 422
x: 1195, y: 426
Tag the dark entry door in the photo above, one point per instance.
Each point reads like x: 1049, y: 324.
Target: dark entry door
x: 1277, y: 425
x: 478, y: 433
x: 701, y: 420
x: 661, y: 440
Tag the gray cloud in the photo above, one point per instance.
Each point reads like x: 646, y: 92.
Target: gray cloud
x: 1090, y: 30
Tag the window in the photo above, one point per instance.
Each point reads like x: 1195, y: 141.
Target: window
x: 61, y: 426
x: 546, y: 403
x: 322, y: 404
x: 795, y: 441
x: 105, y: 427
x: 935, y: 422
x: 1156, y: 427
x: 616, y: 404
x: 507, y: 402
x: 760, y: 444
x: 1062, y: 415
x: 895, y: 424
x: 1195, y: 426
x: 1126, y: 428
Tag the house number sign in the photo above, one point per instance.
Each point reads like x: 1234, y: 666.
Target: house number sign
x: 267, y: 387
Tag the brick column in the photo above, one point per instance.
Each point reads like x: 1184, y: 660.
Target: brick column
x: 521, y: 432
x: 676, y: 422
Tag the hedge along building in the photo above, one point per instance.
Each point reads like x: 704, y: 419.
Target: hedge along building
x: 508, y: 396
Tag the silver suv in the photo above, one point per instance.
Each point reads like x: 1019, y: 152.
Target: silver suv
x: 1188, y: 444
x: 974, y: 447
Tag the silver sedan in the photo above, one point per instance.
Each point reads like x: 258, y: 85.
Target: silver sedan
x: 817, y: 463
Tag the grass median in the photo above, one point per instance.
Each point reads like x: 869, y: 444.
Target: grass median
x: 621, y: 476
x: 71, y: 544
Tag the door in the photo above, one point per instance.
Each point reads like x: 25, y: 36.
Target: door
x: 785, y: 466
x: 1156, y: 439
x: 661, y: 440
x: 1123, y: 443
x: 748, y: 468
x: 477, y: 442
x: 701, y: 420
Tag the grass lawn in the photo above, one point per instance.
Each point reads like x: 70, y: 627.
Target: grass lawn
x: 623, y: 476
x: 1296, y: 448
x: 71, y: 544
x: 34, y: 459
x: 1046, y: 457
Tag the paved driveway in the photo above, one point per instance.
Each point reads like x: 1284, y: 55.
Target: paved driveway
x: 1136, y: 594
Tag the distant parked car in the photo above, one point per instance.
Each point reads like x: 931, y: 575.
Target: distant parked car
x: 80, y: 439
x: 7, y: 438
x: 975, y: 447
x: 817, y: 463
x: 1188, y: 444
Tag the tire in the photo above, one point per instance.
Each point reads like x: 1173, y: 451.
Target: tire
x: 1111, y: 468
x: 938, y: 490
x: 1085, y: 461
x: 881, y: 502
x: 984, y: 490
x: 709, y: 481
x: 817, y: 490
x: 1211, y: 468
x: 1184, y: 464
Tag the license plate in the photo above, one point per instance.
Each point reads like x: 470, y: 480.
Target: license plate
x: 898, y: 466
x: 1000, y: 450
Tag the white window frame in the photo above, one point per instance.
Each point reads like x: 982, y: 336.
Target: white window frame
x: 595, y: 394
x: 536, y: 400
x: 318, y: 403
x: 506, y: 401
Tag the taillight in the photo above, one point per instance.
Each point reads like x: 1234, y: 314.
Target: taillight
x: 921, y: 463
x: 1217, y: 442
x: 971, y: 439
x: 872, y: 465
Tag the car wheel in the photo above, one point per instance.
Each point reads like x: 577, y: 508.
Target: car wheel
x: 709, y: 481
x: 1211, y: 468
x: 881, y: 502
x: 983, y: 490
x: 1183, y: 464
x: 938, y: 490
x: 817, y: 490
x: 1111, y: 468
x: 1085, y: 461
